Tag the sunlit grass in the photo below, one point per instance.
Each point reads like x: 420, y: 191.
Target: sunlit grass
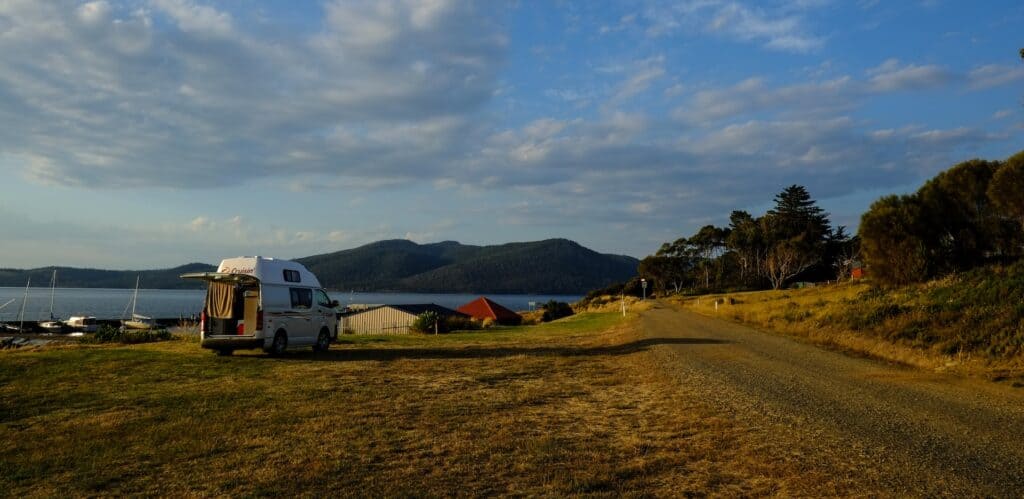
x: 971, y: 323
x: 563, y: 408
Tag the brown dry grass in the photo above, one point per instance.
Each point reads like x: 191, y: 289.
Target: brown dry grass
x: 571, y: 407
x: 608, y: 303
x: 822, y: 315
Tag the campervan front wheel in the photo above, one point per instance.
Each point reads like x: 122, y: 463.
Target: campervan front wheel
x: 323, y: 341
x: 280, y: 343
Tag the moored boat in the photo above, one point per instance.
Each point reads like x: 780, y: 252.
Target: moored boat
x: 83, y: 323
x: 54, y: 324
x: 137, y: 321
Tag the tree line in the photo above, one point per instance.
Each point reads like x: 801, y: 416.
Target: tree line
x: 795, y: 240
x: 967, y: 216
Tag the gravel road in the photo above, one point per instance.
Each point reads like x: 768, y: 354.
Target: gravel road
x: 877, y: 428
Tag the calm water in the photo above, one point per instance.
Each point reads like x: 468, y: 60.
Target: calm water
x: 168, y: 303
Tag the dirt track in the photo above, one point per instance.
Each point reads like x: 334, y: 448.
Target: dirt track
x: 873, y: 427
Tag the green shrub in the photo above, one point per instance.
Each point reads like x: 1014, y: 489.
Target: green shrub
x: 426, y: 322
x: 111, y: 334
x: 459, y: 323
x: 554, y: 310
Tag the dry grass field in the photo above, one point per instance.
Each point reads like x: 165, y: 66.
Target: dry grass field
x: 970, y: 324
x: 571, y: 407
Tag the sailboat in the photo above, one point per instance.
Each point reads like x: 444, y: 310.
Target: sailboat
x: 3, y: 325
x: 54, y: 325
x: 21, y: 313
x: 137, y: 321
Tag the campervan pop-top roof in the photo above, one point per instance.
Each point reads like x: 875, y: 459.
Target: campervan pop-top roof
x: 270, y: 270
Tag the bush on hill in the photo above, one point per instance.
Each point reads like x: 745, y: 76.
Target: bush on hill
x: 554, y: 310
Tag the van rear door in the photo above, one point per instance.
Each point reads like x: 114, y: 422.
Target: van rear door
x: 240, y: 310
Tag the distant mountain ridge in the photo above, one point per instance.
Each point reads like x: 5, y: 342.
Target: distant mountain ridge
x: 70, y: 277
x: 556, y: 266
x: 552, y: 266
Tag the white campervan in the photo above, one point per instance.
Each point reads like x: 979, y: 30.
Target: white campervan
x: 257, y: 302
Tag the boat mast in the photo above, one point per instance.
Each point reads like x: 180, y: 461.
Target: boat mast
x: 53, y: 286
x: 21, y: 314
x: 135, y: 297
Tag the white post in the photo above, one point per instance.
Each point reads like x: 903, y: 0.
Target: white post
x: 716, y: 305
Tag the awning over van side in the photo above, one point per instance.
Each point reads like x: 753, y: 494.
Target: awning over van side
x: 221, y: 277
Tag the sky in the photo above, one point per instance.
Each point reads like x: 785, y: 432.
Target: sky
x: 151, y: 133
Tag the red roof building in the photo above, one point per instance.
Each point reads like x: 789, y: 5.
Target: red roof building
x: 484, y: 308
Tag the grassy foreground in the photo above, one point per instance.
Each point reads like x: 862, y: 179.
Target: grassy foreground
x: 972, y: 322
x: 564, y: 408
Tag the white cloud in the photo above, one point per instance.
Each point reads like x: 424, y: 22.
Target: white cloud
x: 779, y: 28
x: 951, y: 136
x: 179, y: 95
x: 93, y: 13
x: 398, y: 93
x: 891, y: 76
x: 641, y: 79
x: 754, y: 95
x: 641, y: 208
x: 195, y: 18
x: 200, y: 223
x: 994, y: 75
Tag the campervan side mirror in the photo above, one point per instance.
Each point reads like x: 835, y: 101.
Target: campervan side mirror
x: 334, y: 303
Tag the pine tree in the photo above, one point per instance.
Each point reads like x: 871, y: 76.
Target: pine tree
x: 796, y: 230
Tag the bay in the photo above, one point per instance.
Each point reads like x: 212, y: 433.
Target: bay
x: 171, y: 303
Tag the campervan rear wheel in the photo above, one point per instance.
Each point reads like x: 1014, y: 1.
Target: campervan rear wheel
x: 280, y: 343
x: 323, y: 341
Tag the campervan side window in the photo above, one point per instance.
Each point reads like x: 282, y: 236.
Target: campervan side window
x: 301, y: 298
x: 292, y: 276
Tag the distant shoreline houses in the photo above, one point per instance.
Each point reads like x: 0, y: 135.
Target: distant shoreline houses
x: 399, y: 319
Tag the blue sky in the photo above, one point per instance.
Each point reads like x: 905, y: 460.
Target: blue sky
x: 149, y: 133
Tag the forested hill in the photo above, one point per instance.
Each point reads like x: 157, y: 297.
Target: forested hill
x: 555, y: 266
x: 68, y: 277
x: 552, y: 266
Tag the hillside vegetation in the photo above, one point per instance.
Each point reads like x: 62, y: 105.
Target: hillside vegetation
x: 95, y: 278
x: 972, y: 321
x: 967, y: 216
x: 554, y: 266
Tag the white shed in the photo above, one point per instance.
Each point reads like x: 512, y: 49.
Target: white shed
x: 388, y: 319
